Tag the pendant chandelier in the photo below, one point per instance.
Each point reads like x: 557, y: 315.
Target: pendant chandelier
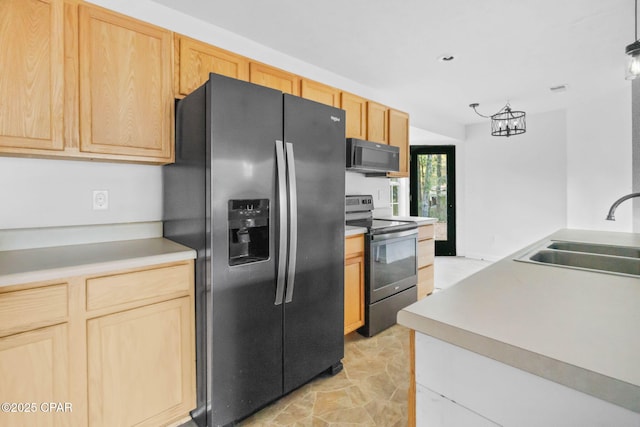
x: 633, y: 50
x: 505, y: 122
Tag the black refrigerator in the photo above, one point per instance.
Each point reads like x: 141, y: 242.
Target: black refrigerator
x: 258, y: 189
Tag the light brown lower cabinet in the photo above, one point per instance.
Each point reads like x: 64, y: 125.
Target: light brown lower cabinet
x: 353, y: 283
x: 34, y: 367
x: 138, y: 360
x: 105, y: 348
x: 426, y: 252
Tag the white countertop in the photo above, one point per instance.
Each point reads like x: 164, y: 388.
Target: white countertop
x: 31, y: 265
x: 577, y: 328
x: 351, y: 230
x: 420, y: 220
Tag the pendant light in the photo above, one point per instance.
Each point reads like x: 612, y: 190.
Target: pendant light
x: 633, y: 50
x: 505, y: 122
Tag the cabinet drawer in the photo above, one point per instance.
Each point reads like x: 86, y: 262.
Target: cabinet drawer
x: 353, y: 245
x: 33, y: 308
x: 425, y: 232
x: 425, y: 281
x: 119, y: 289
x: 426, y: 252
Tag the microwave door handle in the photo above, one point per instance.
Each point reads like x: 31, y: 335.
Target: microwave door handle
x: 282, y: 214
x: 293, y: 221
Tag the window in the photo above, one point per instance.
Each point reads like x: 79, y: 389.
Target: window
x: 394, y: 193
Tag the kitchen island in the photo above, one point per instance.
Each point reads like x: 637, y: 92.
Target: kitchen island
x: 529, y: 344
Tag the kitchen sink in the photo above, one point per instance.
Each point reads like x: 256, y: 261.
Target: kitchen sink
x: 624, y: 251
x: 621, y: 260
x: 586, y: 261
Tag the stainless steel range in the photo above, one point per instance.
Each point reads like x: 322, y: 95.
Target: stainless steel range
x: 390, y: 264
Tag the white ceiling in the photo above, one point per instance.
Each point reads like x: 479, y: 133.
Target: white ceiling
x: 504, y: 49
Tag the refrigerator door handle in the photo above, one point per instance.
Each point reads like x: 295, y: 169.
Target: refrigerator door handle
x: 293, y: 221
x: 282, y: 213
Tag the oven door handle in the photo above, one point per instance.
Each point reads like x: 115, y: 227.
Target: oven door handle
x: 388, y: 236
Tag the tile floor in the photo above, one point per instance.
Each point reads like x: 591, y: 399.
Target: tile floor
x: 372, y: 389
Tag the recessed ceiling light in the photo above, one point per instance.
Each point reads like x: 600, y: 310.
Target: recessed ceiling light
x: 446, y: 58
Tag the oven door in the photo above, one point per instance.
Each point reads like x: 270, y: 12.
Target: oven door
x: 392, y: 264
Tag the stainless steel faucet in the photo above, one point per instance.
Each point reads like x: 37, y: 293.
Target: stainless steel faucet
x: 614, y: 206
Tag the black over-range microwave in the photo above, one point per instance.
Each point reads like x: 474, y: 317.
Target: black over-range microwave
x: 371, y: 157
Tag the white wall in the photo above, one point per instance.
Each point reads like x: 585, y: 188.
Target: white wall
x: 515, y: 189
x: 378, y: 187
x: 599, y: 166
x: 48, y: 193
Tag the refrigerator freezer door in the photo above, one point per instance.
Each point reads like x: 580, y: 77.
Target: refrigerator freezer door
x: 313, y: 332
x: 246, y: 329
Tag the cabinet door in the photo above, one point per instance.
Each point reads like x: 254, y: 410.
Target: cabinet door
x: 353, y: 294
x: 320, y: 93
x: 141, y: 365
x: 353, y: 283
x: 377, y: 122
x: 32, y: 64
x: 34, y: 367
x: 126, y: 93
x: 426, y: 253
x: 426, y: 281
x: 195, y: 60
x: 399, y: 137
x: 436, y: 410
x: 274, y: 78
x: 356, y: 113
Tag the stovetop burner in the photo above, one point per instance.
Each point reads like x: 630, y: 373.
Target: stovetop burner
x: 377, y: 226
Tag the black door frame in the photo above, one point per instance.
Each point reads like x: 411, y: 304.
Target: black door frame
x: 443, y: 247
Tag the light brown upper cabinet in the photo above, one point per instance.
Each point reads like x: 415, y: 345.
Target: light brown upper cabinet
x: 194, y: 60
x: 377, y: 123
x: 126, y: 89
x: 356, y: 113
x: 399, y: 137
x: 274, y: 78
x: 32, y: 86
x: 319, y: 92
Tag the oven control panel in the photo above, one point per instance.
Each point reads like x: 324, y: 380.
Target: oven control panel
x: 359, y: 203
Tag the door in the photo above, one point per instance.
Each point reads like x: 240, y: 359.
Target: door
x: 150, y: 346
x: 356, y: 110
x: 433, y: 194
x: 393, y: 263
x: 198, y: 59
x: 275, y: 78
x: 314, y: 325
x: 377, y: 123
x: 126, y: 86
x: 34, y: 367
x: 319, y: 92
x: 246, y: 328
x: 32, y: 64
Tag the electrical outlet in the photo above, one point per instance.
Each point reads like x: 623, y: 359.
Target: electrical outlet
x: 100, y: 200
